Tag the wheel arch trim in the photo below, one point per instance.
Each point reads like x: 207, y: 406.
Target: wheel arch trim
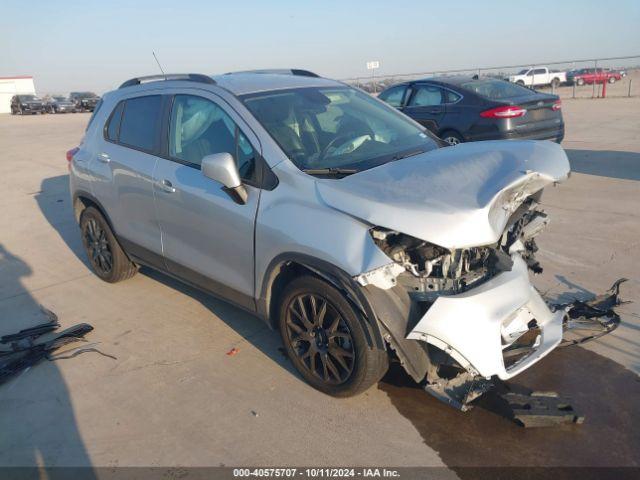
x: 330, y: 273
x: 82, y: 196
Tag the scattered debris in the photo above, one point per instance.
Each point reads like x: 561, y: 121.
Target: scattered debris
x: 233, y: 351
x: 459, y: 391
x: 74, y: 352
x: 541, y: 409
x: 20, y: 351
x: 587, y: 320
x: 254, y: 413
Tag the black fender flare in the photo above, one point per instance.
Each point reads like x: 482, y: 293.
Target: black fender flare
x: 331, y: 274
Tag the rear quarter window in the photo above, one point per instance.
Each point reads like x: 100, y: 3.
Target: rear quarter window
x: 113, y: 124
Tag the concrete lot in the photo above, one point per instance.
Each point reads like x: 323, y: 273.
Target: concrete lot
x: 172, y: 397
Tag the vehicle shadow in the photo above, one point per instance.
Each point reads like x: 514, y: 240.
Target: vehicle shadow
x: 605, y: 163
x: 37, y: 420
x: 54, y: 202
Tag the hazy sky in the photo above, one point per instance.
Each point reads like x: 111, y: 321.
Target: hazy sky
x: 70, y: 45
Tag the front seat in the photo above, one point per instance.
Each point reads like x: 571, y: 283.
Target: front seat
x: 275, y: 118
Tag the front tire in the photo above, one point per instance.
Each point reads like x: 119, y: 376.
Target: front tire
x: 520, y: 82
x: 325, y: 339
x: 580, y: 82
x: 612, y: 79
x: 108, y: 261
x: 555, y: 83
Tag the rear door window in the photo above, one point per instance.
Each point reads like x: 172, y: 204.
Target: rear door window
x: 426, y: 96
x: 140, y: 125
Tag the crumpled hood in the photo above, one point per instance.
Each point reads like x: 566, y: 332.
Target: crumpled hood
x: 454, y: 197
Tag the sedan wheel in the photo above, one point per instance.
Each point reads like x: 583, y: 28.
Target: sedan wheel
x: 451, y: 138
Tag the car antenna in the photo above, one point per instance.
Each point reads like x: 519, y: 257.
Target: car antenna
x: 159, y: 66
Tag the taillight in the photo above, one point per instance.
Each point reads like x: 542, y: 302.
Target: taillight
x: 70, y: 154
x: 509, y: 111
x: 557, y: 105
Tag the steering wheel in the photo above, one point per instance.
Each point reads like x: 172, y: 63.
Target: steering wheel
x: 345, y: 140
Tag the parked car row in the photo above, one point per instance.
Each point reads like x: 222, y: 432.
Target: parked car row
x: 463, y: 109
x: 32, y: 104
x: 593, y: 75
x: 543, y: 76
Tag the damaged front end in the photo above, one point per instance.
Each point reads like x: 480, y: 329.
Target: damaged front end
x: 473, y: 311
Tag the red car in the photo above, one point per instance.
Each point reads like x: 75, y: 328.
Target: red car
x: 593, y: 75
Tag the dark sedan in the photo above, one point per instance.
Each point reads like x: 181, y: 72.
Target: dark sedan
x: 467, y: 109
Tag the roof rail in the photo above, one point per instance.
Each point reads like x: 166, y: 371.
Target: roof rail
x: 191, y: 77
x: 281, y: 71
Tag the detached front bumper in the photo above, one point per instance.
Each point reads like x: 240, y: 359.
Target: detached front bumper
x: 478, y: 327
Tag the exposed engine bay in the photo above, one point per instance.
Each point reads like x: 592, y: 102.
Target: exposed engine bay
x: 432, y: 271
x: 449, y: 287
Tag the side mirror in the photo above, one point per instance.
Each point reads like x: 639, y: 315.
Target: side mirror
x: 222, y: 168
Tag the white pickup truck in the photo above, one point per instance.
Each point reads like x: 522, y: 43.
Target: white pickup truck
x: 532, y: 77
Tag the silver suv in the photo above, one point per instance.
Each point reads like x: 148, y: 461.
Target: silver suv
x: 330, y: 215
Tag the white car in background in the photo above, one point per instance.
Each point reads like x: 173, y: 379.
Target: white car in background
x: 534, y: 77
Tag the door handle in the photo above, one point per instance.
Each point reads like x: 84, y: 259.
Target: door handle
x: 435, y: 110
x: 167, y: 186
x: 104, y: 158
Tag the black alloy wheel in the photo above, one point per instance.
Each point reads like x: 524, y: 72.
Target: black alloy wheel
x: 320, y: 338
x: 107, y: 258
x: 97, y: 245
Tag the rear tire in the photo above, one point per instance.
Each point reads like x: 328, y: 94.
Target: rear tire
x: 108, y: 261
x: 555, y: 82
x: 451, y: 137
x: 325, y: 339
x: 580, y: 82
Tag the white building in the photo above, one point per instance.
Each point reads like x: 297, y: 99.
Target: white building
x: 10, y: 86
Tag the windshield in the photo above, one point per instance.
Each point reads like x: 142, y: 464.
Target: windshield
x: 60, y: 99
x: 336, y: 127
x: 495, y: 89
x: 27, y: 97
x: 523, y: 72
